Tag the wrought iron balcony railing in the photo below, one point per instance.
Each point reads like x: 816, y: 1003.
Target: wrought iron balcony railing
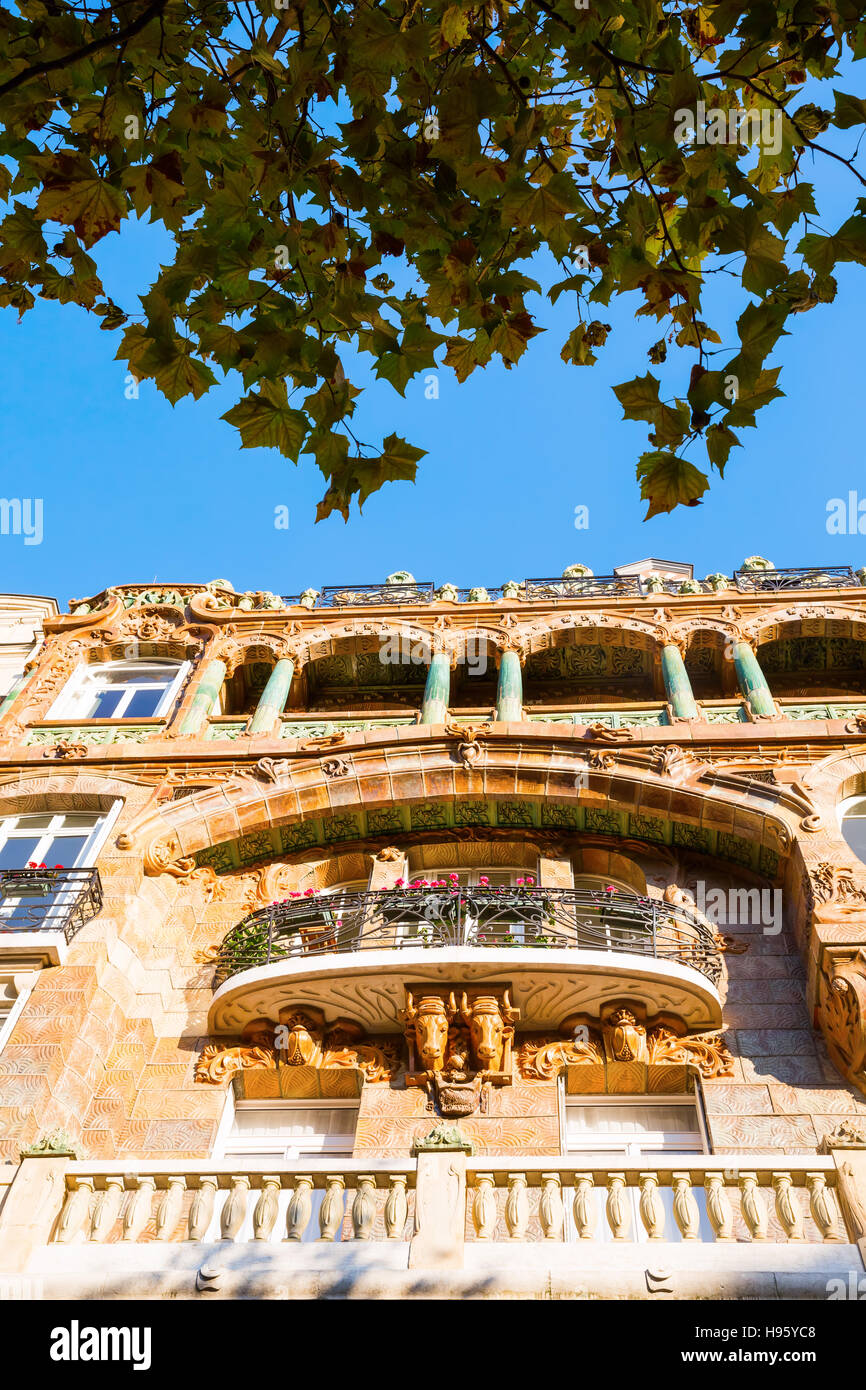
x: 368, y: 595
x: 586, y: 586
x: 437, y: 917
x: 60, y: 900
x: 768, y: 581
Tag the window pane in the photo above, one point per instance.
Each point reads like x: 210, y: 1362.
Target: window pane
x: 66, y: 850
x: 586, y: 1120
x: 143, y: 703
x: 295, y: 1123
x: 854, y: 831
x: 101, y: 705
x: 77, y: 820
x: 18, y: 852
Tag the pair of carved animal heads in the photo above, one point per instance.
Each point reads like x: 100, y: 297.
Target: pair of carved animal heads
x: 489, y: 1018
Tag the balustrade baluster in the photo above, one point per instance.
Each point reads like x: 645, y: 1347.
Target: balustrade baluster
x: 752, y: 1206
x: 364, y: 1208
x: 686, y: 1213
x: 234, y: 1208
x: 300, y: 1207
x: 585, y: 1214
x: 201, y: 1208
x: 331, y: 1210
x: 618, y: 1217
x: 107, y: 1207
x: 823, y: 1206
x: 75, y: 1211
x: 266, y: 1208
x: 484, y: 1211
x: 719, y: 1208
x: 168, y: 1211
x: 550, y: 1209
x: 787, y: 1207
x: 396, y: 1207
x: 138, y: 1208
x: 517, y: 1207
x: 652, y: 1212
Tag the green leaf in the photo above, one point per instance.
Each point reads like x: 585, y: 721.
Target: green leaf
x: 639, y: 398
x: 267, y: 421
x: 668, y: 481
x: 720, y: 441
x: 91, y: 206
x: 849, y: 111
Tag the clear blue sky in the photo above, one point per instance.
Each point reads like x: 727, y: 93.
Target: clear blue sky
x: 137, y: 490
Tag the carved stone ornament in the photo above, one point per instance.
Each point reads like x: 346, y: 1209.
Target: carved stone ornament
x: 314, y: 745
x: 150, y: 625
x: 335, y: 767
x: 730, y: 945
x: 64, y: 749
x: 389, y: 855
x: 850, y: 1134
x: 834, y: 884
x: 665, y: 759
x: 617, y: 1038
x: 603, y: 734
x: 444, y: 1139
x: 842, y: 1009
x: 469, y: 750
x: 432, y: 1018
x: 301, y: 1038
x: 57, y: 1144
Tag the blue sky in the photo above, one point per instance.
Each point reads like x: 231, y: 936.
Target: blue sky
x: 137, y: 490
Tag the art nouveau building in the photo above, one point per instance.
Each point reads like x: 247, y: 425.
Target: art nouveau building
x: 399, y: 940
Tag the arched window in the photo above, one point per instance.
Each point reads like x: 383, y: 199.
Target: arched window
x: 852, y: 819
x: 120, y: 690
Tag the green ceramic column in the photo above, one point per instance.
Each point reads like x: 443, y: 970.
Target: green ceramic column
x: 273, y: 698
x: 206, y: 695
x: 15, y: 691
x: 678, y: 687
x: 753, y: 682
x: 437, y: 691
x: 509, y: 691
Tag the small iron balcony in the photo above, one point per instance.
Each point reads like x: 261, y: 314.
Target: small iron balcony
x: 61, y: 900
x: 448, y: 917
x: 770, y: 581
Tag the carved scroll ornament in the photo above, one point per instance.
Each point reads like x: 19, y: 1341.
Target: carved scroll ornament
x: 302, y: 1038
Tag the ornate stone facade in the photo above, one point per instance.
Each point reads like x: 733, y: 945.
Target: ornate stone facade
x: 332, y: 872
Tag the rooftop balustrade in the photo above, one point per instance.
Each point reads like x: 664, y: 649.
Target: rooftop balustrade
x: 40, y: 899
x: 442, y: 916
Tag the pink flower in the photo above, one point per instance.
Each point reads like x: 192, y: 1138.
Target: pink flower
x: 609, y: 888
x: 398, y: 882
x: 453, y: 877
x: 484, y: 882
x: 309, y: 892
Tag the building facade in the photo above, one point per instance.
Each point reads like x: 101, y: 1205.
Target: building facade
x: 411, y: 940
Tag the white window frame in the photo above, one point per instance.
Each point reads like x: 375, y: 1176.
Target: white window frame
x: 86, y: 678
x: 228, y: 1145
x: 633, y: 1147
x: 49, y: 835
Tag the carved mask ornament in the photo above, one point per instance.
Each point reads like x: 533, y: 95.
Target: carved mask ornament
x: 303, y: 1044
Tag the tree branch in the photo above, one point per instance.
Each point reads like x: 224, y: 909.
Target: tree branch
x: 118, y: 36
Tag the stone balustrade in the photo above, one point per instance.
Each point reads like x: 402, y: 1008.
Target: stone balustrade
x: 743, y: 1197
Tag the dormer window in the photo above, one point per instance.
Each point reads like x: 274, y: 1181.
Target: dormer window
x: 121, y: 690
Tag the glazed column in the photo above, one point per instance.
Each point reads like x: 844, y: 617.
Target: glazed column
x: 509, y: 691
x: 437, y: 691
x: 15, y: 691
x: 753, y: 682
x: 273, y: 697
x: 207, y: 691
x: 678, y: 687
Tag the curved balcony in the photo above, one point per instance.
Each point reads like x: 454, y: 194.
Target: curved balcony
x: 561, y: 950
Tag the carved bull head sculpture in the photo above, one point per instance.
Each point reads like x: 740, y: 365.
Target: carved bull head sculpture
x: 490, y: 1020
x: 426, y: 1031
